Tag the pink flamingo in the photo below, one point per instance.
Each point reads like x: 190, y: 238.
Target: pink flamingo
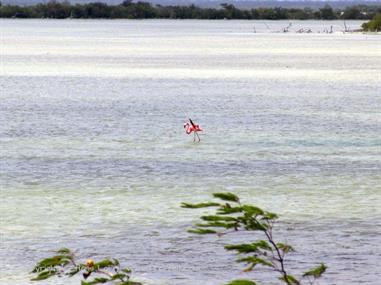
x: 192, y: 127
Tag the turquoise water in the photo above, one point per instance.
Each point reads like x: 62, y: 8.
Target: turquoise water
x: 94, y: 156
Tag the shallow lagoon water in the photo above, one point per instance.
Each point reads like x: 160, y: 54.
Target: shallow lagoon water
x: 94, y: 156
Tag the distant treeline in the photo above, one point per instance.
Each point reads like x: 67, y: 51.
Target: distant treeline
x: 145, y: 10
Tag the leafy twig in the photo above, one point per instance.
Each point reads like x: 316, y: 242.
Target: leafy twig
x: 233, y: 216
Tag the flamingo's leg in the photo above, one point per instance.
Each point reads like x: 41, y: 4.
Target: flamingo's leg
x: 194, y: 136
x: 198, y: 136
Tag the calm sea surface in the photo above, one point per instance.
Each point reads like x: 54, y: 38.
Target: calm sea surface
x: 93, y: 154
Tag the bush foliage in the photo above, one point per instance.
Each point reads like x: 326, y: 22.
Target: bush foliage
x: 144, y: 10
x: 230, y: 216
x: 233, y: 216
x: 373, y: 25
x: 63, y: 264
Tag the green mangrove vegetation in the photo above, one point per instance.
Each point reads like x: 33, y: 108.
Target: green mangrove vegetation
x: 144, y: 10
x: 232, y: 216
x: 64, y: 264
x: 373, y: 25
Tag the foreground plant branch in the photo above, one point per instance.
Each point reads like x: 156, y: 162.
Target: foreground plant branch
x: 233, y: 216
x: 63, y: 263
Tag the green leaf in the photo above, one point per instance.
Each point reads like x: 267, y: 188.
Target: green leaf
x: 126, y: 270
x: 227, y: 196
x: 199, y: 205
x: 45, y: 275
x: 227, y: 209
x: 285, y: 247
x: 119, y: 275
x: 269, y: 216
x: 97, y: 280
x: 218, y: 218
x: 202, y: 231
x: 262, y: 244
x: 74, y: 270
x: 252, y: 210
x: 218, y: 225
x: 317, y: 271
x: 242, y: 248
x: 249, y: 248
x: 106, y: 263
x: 290, y: 280
x: 64, y: 250
x: 241, y: 282
x: 51, y: 262
x: 254, y: 225
x: 255, y: 260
